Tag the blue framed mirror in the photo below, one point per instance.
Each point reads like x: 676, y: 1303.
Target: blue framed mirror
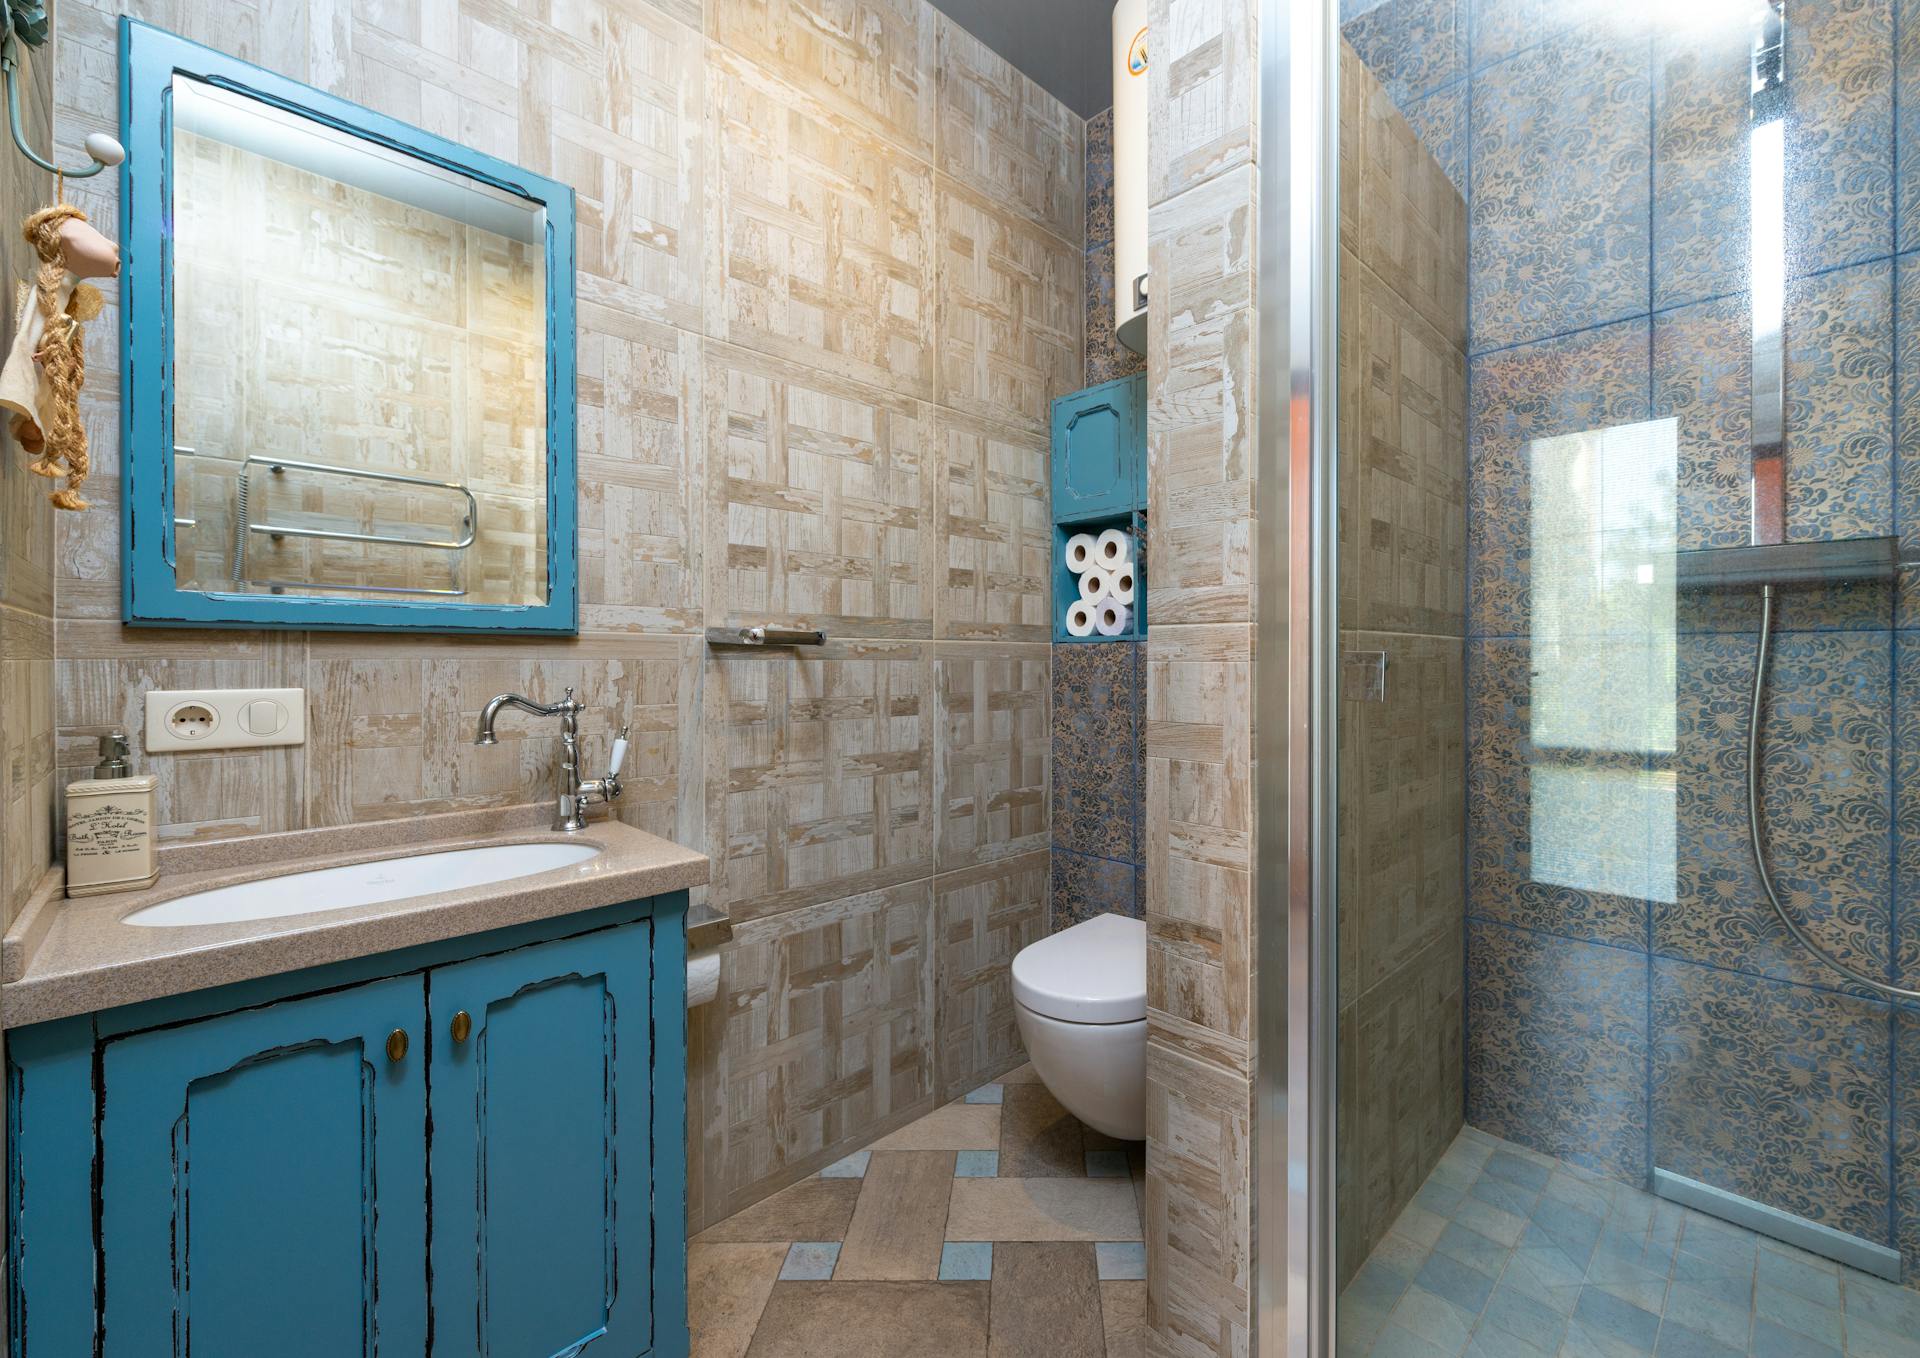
x: 348, y: 349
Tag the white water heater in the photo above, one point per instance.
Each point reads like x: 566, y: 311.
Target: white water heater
x: 1130, y: 174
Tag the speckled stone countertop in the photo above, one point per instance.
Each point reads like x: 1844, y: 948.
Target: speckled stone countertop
x: 65, y: 957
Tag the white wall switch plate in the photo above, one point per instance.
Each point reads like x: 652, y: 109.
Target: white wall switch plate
x: 224, y: 718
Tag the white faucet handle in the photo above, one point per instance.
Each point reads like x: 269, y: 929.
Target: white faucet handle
x: 619, y: 754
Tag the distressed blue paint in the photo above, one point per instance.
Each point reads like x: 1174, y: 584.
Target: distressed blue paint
x: 149, y: 59
x: 263, y: 1181
x: 50, y: 1286
x: 1099, y: 451
x: 669, y: 1129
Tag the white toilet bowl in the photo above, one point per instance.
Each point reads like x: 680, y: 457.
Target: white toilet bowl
x: 1081, y: 999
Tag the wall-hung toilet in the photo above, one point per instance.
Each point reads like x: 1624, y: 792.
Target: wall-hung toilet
x: 1081, y: 998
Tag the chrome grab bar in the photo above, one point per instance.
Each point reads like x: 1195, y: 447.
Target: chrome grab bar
x: 763, y: 634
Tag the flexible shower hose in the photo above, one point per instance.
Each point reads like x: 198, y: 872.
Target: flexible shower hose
x: 1793, y: 926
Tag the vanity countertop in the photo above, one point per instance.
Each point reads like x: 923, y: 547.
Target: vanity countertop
x: 63, y: 957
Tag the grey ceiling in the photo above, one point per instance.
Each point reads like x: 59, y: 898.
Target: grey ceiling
x: 1064, y: 46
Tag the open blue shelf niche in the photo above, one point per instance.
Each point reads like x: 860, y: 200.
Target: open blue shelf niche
x: 1099, y: 482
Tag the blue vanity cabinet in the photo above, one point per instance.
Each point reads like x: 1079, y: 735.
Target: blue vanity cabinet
x: 255, y: 1173
x: 1099, y: 450
x: 543, y: 1134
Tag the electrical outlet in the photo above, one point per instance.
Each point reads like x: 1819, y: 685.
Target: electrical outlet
x: 224, y: 718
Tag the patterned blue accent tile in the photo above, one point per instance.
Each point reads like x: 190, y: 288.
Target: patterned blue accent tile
x: 1106, y: 1164
x: 1439, y: 119
x: 1826, y: 804
x: 1120, y: 1260
x: 810, y: 1261
x: 1559, y: 219
x: 1775, y: 1092
x: 1840, y: 134
x: 987, y: 1093
x: 1107, y: 359
x: 976, y: 1164
x: 1084, y: 887
x: 1572, y: 385
x: 852, y: 1167
x: 1557, y: 1047
x: 1411, y: 46
x: 1099, y: 178
x: 1551, y: 846
x: 1907, y: 419
x: 1095, y: 747
x: 966, y: 1261
x: 1701, y: 133
x: 1906, y: 1131
x: 1502, y: 28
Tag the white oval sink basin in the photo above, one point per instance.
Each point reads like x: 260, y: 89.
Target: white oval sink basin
x: 389, y: 879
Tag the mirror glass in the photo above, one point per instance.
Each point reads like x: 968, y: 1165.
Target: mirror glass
x: 360, y: 377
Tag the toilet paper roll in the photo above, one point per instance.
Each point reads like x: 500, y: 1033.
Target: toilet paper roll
x: 1120, y: 586
x: 1114, y: 548
x: 1113, y: 618
x: 1093, y: 586
x: 1079, y: 551
x: 1080, y: 619
x: 703, y: 977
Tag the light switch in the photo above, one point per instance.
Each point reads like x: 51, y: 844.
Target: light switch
x: 264, y: 717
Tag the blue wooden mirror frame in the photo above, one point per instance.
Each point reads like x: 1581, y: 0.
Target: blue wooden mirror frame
x: 149, y: 59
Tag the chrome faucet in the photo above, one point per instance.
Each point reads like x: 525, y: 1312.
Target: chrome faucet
x: 574, y: 794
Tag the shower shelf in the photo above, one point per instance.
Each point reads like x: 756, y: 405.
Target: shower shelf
x: 1789, y: 563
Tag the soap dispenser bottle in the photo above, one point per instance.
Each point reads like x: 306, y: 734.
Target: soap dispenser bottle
x: 110, y: 826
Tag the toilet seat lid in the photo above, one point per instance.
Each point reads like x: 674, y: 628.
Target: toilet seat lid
x: 1095, y: 972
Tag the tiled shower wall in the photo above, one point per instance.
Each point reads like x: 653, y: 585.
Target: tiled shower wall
x: 1099, y: 687
x: 831, y: 263
x: 1631, y: 1002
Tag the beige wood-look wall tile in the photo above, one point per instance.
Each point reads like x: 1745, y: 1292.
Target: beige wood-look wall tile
x: 641, y: 458
x: 1198, y: 1208
x: 1201, y: 387
x: 819, y: 500
x: 820, y: 234
x: 870, y: 59
x: 1203, y: 87
x: 995, y: 539
x: 821, y: 1034
x: 1004, y: 136
x: 26, y: 778
x: 819, y: 772
x: 990, y: 770
x: 391, y: 731
x: 1199, y: 831
x: 982, y: 918
x: 1010, y: 310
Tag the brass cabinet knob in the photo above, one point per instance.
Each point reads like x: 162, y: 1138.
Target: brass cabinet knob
x: 397, y: 1044
x: 461, y: 1026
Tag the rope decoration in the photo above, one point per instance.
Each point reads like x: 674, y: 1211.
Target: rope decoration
x: 60, y: 448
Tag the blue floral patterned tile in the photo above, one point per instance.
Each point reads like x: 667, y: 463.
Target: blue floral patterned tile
x: 1557, y: 1047
x: 1099, y: 177
x: 1096, y: 747
x: 1701, y: 132
x: 1106, y: 357
x: 1840, y: 134
x: 1906, y: 775
x: 1906, y: 1134
x: 1555, y: 843
x: 1592, y: 381
x: 1825, y: 801
x: 1558, y: 213
x: 1501, y: 28
x: 1907, y: 423
x: 1702, y: 366
x: 1774, y: 1091
x: 1084, y: 887
x: 1411, y: 46
x: 1907, y: 131
x: 1439, y: 119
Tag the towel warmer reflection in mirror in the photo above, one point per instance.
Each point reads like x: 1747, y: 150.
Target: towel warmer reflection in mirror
x: 244, y: 527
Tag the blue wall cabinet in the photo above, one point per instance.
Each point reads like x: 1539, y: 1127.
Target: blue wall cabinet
x: 259, y: 1184
x: 280, y: 1174
x: 1099, y: 450
x: 542, y: 1186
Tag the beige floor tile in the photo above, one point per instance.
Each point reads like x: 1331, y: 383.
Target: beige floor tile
x: 813, y: 1209
x: 1046, y: 1301
x: 1123, y: 1309
x: 1038, y: 1138
x: 1043, y: 1209
x: 873, y: 1320
x: 727, y: 1285
x: 957, y: 1127
x: 901, y: 1220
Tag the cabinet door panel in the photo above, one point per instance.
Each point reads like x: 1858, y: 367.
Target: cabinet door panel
x: 263, y: 1182
x: 542, y: 1176
x: 1098, y: 447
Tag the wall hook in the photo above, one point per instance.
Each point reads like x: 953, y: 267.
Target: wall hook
x: 28, y: 24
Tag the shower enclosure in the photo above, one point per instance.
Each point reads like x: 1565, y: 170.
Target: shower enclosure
x: 1622, y: 673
